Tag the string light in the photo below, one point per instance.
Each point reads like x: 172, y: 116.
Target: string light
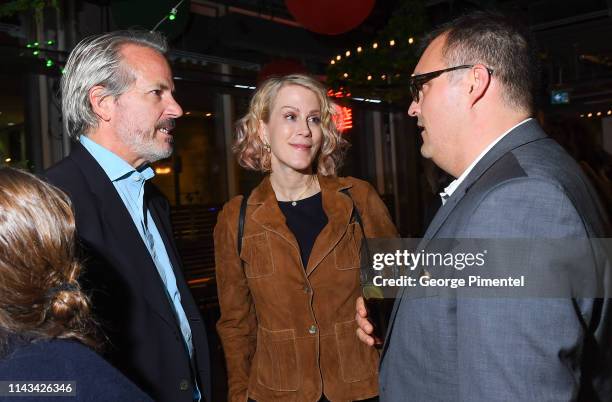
x: 359, y: 49
x: 49, y: 63
x: 597, y: 114
x: 171, y: 16
x: 392, y: 43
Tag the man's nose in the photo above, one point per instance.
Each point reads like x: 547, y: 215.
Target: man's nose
x: 413, y: 109
x: 174, y: 109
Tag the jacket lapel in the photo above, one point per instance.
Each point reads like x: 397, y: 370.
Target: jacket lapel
x: 121, y: 241
x: 525, y: 133
x: 268, y: 213
x: 338, y: 207
x: 161, y: 216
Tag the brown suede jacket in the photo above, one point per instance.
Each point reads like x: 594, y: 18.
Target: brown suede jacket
x: 289, y: 333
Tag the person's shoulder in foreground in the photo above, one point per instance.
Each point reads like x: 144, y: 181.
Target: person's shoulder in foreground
x: 60, y: 361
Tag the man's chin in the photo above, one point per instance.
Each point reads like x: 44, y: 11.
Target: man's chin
x: 162, y: 154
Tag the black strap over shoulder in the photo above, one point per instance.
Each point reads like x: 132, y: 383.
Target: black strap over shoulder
x: 241, y: 218
x: 357, y: 217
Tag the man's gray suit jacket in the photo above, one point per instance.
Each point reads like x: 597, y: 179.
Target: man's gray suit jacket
x: 490, y: 349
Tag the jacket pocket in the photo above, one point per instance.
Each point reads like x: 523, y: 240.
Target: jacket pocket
x: 346, y: 253
x: 357, y: 361
x: 277, y: 367
x: 257, y: 256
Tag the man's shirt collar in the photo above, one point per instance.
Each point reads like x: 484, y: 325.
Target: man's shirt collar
x: 450, y: 189
x: 114, y: 166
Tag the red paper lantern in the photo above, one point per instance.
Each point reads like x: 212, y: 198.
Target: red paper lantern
x: 280, y: 67
x: 330, y: 17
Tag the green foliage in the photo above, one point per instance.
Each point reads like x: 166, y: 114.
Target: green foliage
x: 395, y: 63
x: 13, y: 7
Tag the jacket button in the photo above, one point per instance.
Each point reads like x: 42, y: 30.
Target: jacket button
x: 184, y: 385
x: 312, y: 330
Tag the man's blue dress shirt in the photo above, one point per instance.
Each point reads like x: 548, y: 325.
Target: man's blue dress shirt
x: 129, y: 183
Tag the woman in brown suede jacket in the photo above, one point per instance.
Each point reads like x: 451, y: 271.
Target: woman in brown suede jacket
x: 288, y: 300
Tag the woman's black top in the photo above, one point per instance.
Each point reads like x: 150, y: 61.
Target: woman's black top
x: 306, y: 220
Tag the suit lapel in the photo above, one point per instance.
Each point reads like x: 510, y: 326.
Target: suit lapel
x: 121, y: 241
x: 161, y: 218
x: 525, y: 133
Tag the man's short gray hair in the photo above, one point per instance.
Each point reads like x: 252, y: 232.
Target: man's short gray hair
x: 97, y: 60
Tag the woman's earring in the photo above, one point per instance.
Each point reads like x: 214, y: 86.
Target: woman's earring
x: 267, y: 147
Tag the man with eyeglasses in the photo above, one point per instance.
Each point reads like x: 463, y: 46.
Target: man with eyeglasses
x: 472, y: 97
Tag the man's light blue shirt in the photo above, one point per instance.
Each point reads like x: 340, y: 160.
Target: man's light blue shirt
x: 129, y: 183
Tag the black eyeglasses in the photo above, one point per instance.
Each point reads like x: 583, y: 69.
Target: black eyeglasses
x: 417, y: 81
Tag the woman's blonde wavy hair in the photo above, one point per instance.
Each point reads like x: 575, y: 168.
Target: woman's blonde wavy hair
x: 249, y: 148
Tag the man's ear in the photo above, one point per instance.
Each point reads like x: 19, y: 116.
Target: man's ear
x: 101, y: 103
x: 479, y: 80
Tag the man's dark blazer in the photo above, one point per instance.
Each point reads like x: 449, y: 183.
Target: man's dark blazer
x: 514, y: 349
x: 128, y: 295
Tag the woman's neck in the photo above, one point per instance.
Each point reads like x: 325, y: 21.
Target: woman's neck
x: 293, y: 185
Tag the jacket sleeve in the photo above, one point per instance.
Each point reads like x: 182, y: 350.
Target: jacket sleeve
x: 237, y: 326
x: 376, y: 219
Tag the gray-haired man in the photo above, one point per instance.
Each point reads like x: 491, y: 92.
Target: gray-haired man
x: 117, y: 104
